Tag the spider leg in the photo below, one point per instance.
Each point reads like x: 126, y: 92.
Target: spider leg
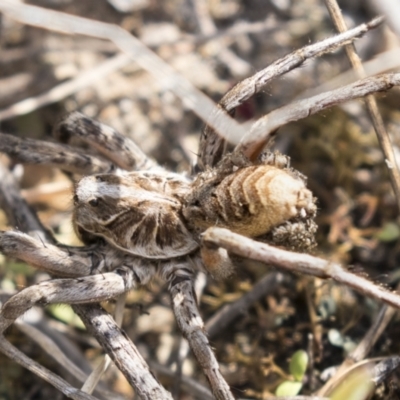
x: 98, y: 322
x: 82, y: 290
x: 88, y: 289
x: 184, y: 303
x: 45, y: 256
x: 212, y: 146
x: 67, y: 158
x: 298, y: 263
x: 263, y: 130
x: 119, y: 149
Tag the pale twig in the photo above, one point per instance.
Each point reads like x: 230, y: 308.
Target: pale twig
x: 382, y: 62
x: 192, y: 98
x: 263, y: 130
x: 98, y: 371
x: 370, y: 102
x: 390, y: 9
x: 50, y: 347
x: 53, y: 350
x: 375, y: 331
x: 112, y: 64
x: 298, y: 263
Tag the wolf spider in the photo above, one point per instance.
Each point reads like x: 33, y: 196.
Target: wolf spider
x: 138, y: 220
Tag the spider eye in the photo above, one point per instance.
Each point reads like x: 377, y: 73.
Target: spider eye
x: 75, y: 200
x: 94, y: 202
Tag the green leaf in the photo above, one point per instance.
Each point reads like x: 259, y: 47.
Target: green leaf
x: 389, y: 233
x: 65, y: 314
x: 298, y: 364
x: 288, y: 388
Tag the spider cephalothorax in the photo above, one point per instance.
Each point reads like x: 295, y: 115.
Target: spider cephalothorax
x: 139, y: 213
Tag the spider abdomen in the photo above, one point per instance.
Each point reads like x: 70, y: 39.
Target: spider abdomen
x: 251, y: 201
